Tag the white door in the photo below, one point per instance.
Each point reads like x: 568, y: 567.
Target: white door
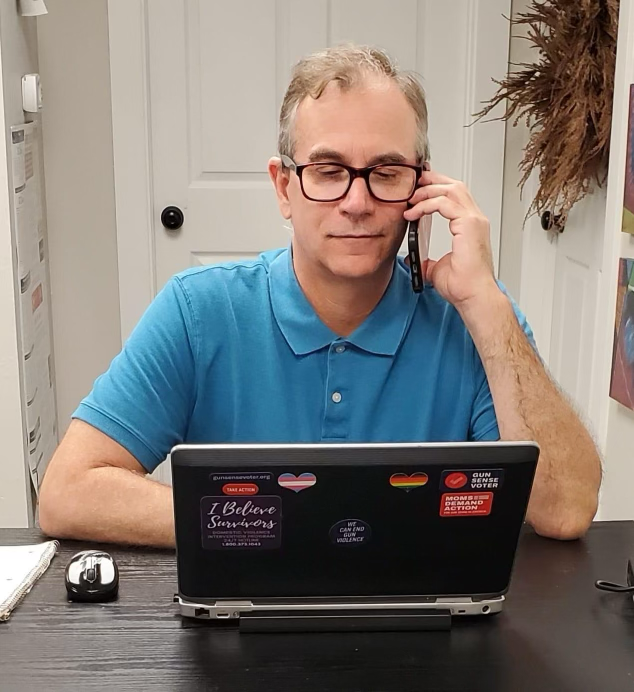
x: 216, y: 74
x: 196, y: 89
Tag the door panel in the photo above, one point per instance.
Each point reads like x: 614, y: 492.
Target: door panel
x: 217, y: 76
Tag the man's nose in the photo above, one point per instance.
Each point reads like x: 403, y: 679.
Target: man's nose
x: 358, y: 200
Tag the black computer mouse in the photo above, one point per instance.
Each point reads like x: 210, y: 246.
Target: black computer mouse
x: 92, y: 575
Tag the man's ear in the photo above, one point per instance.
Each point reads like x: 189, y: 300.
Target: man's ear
x: 280, y: 179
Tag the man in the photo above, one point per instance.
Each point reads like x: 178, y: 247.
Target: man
x: 326, y: 341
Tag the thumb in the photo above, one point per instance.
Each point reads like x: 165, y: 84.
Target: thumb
x: 428, y: 269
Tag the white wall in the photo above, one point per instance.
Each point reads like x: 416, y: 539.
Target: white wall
x: 77, y: 127
x: 18, y: 55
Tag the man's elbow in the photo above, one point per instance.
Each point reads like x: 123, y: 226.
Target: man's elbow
x: 569, y: 526
x: 55, y: 508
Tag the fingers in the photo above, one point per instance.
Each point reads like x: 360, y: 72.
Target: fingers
x: 456, y: 191
x: 443, y: 205
x: 435, y: 178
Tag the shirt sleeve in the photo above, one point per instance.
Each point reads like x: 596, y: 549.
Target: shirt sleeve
x: 484, y: 425
x: 145, y: 398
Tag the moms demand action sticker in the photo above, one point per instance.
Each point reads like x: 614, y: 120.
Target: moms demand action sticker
x: 466, y: 504
x: 241, y: 522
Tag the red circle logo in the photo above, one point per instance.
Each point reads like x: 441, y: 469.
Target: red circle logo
x: 456, y: 480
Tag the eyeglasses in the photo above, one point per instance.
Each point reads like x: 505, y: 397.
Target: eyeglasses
x: 328, y: 182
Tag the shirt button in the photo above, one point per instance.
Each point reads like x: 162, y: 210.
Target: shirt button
x: 336, y: 397
x: 340, y: 348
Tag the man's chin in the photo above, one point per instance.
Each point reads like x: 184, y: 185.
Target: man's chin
x: 356, y: 266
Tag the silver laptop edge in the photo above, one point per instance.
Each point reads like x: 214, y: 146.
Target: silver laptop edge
x: 231, y: 610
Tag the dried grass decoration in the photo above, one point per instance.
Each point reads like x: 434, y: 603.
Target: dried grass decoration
x: 566, y: 98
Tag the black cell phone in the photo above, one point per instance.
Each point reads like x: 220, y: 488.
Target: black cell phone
x: 415, y: 264
x: 413, y: 250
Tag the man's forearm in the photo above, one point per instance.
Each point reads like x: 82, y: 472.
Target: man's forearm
x: 114, y: 505
x: 529, y: 406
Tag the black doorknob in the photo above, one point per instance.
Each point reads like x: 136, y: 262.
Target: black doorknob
x: 552, y: 221
x: 172, y: 218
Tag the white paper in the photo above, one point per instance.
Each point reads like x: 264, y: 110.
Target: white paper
x: 17, y: 157
x: 39, y: 400
x: 20, y: 567
x: 32, y: 8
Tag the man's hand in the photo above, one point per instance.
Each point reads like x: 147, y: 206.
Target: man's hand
x: 465, y: 273
x: 528, y: 405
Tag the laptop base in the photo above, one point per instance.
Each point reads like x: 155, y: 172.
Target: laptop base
x: 393, y: 620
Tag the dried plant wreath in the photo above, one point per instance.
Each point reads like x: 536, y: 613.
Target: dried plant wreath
x: 565, y: 97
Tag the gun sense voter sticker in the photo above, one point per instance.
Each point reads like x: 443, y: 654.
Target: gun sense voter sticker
x: 466, y: 504
x: 472, y: 479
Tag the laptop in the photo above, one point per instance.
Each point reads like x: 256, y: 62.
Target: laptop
x: 284, y: 530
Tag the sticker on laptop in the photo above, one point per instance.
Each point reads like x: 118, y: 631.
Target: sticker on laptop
x: 241, y: 522
x: 297, y: 483
x: 466, y: 504
x: 249, y: 477
x: 480, y: 479
x: 350, y: 532
x: 240, y: 489
x: 407, y: 483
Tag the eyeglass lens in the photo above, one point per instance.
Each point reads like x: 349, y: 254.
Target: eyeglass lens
x: 325, y: 182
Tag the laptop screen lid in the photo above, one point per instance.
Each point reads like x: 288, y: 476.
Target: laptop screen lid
x: 349, y: 521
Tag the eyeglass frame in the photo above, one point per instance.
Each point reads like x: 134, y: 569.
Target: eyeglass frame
x: 353, y: 174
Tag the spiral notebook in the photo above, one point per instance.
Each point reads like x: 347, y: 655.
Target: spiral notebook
x: 20, y: 567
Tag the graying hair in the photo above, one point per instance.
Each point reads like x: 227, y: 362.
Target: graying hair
x: 348, y: 65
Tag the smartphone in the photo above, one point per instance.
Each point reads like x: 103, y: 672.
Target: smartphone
x: 415, y: 262
x: 418, y: 249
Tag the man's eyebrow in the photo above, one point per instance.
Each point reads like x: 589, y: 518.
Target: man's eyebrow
x: 390, y: 157
x: 323, y: 154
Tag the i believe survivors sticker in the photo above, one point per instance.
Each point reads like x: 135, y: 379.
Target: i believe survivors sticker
x: 466, y: 504
x: 241, y: 522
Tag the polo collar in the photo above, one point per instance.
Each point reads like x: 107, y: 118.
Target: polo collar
x: 381, y: 332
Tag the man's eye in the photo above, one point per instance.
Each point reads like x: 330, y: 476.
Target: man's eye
x: 325, y: 172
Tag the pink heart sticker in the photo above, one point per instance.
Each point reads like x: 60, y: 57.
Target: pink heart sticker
x: 297, y: 483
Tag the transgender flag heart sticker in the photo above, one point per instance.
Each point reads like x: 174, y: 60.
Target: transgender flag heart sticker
x: 297, y: 483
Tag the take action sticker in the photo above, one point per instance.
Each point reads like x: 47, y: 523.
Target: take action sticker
x: 241, y: 522
x: 481, y: 479
x: 240, y: 489
x: 466, y: 504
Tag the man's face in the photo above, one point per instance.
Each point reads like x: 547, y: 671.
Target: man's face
x: 358, y: 235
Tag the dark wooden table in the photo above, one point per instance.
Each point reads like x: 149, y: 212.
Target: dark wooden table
x: 557, y: 633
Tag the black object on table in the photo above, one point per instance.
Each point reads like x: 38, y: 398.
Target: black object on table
x: 558, y: 632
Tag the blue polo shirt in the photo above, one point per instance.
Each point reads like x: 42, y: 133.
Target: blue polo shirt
x: 236, y: 353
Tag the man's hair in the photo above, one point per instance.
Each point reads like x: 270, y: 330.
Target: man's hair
x: 349, y: 66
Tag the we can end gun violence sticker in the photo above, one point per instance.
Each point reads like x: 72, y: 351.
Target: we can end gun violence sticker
x: 350, y: 532
x: 241, y: 522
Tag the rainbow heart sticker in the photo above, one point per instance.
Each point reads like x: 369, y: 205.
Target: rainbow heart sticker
x: 407, y: 483
x: 297, y: 483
